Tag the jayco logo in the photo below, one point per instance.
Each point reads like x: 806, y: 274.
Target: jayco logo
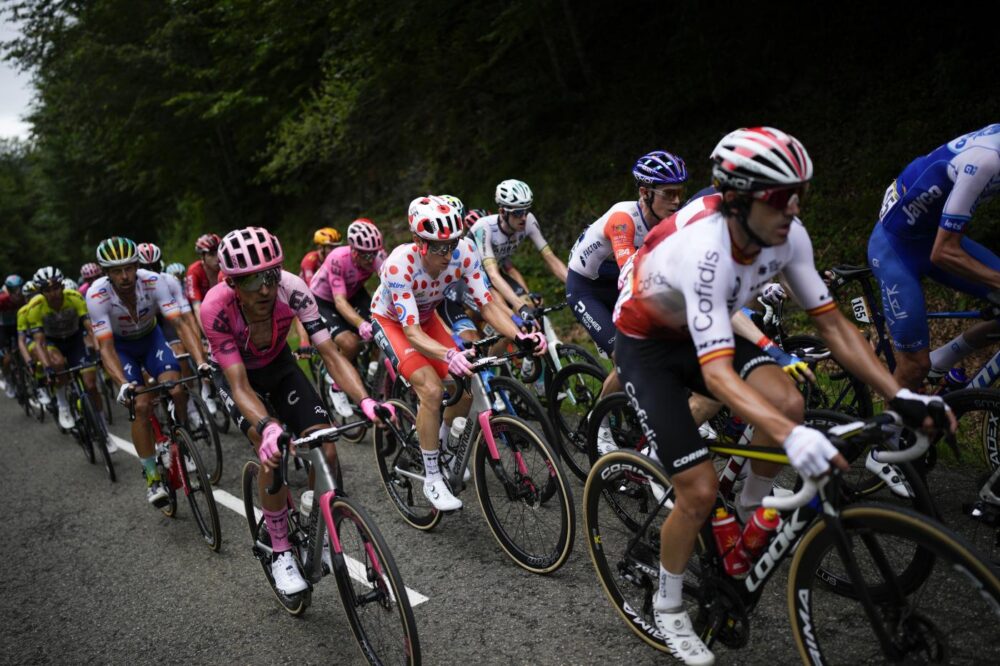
x: 921, y: 203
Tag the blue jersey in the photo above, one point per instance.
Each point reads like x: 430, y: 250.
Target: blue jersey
x: 943, y: 188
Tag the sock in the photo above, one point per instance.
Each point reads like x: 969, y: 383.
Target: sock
x: 443, y: 432
x: 946, y: 356
x: 431, y: 470
x: 61, y: 397
x: 669, y: 597
x: 755, y: 488
x: 277, y: 527
x: 605, y: 422
x: 149, y: 466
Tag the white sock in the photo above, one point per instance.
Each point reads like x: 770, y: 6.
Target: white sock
x: 669, y: 597
x: 605, y: 423
x: 444, y: 432
x: 431, y: 470
x: 61, y: 397
x: 755, y: 489
x: 946, y: 356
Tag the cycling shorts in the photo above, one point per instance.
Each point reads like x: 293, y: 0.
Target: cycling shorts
x: 455, y: 316
x: 593, y: 301
x: 150, y: 352
x: 899, y: 264
x: 169, y: 332
x: 656, y: 376
x: 360, y: 301
x: 391, y: 339
x: 285, y: 389
x: 73, y: 349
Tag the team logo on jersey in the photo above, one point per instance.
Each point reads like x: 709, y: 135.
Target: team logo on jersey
x: 921, y: 204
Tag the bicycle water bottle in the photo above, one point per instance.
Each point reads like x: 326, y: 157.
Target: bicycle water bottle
x: 757, y: 532
x: 306, y: 503
x: 726, y: 531
x: 457, y: 426
x: 955, y: 379
x: 372, y: 369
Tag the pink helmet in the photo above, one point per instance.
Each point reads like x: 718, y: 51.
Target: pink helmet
x: 90, y: 270
x: 249, y: 250
x: 364, y: 236
x: 148, y: 253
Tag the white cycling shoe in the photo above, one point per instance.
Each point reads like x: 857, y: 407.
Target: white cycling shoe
x: 890, y: 475
x: 194, y: 418
x: 65, y: 418
x: 287, y: 578
x: 8, y: 388
x: 605, y: 441
x: 341, y: 404
x: 43, y: 397
x: 440, y: 497
x: 681, y: 638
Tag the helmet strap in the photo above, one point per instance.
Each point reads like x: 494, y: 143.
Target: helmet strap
x: 740, y: 209
x: 504, y: 223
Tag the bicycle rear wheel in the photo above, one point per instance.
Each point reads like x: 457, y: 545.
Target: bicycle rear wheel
x: 524, y: 495
x: 371, y: 588
x: 399, y: 465
x: 206, y: 437
x: 81, y: 429
x: 953, y: 617
x: 198, y: 488
x: 572, y: 395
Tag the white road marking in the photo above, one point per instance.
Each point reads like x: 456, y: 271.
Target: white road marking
x: 235, y: 504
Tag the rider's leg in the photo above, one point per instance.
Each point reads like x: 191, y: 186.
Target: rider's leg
x: 912, y: 367
x: 429, y: 389
x: 702, y: 407
x: 349, y: 343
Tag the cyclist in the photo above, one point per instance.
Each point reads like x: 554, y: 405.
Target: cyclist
x: 57, y: 320
x: 89, y: 272
x: 341, y: 296
x: 498, y: 236
x: 247, y: 318
x: 203, y: 274
x: 11, y: 300
x: 675, y: 333
x: 123, y: 306
x: 325, y: 240
x: 414, y: 338
x: 920, y: 233
x: 458, y: 310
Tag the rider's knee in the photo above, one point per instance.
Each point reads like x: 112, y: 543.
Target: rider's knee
x: 430, y: 392
x: 143, y: 407
x: 349, y: 344
x: 791, y: 403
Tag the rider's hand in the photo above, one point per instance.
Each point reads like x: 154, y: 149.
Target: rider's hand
x: 125, y: 393
x: 365, y: 330
x: 527, y: 314
x: 270, y: 456
x: 534, y: 339
x: 923, y: 411
x: 773, y: 294
x: 810, y: 452
x: 458, y: 362
x: 369, y: 405
x: 796, y: 368
x: 304, y: 352
x: 205, y: 370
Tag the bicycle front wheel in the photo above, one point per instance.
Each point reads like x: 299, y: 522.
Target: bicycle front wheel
x: 524, y: 496
x: 572, y: 395
x: 953, y: 617
x: 98, y: 434
x: 198, y: 488
x: 206, y: 437
x: 371, y: 588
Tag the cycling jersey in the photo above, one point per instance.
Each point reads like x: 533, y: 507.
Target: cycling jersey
x: 339, y: 275
x: 177, y: 291
x: 56, y: 324
x: 409, y: 295
x: 22, y: 322
x: 110, y: 316
x: 8, y: 309
x: 688, y: 280
x: 197, y: 283
x: 228, y: 332
x: 612, y: 239
x: 310, y: 264
x: 83, y: 288
x: 493, y: 243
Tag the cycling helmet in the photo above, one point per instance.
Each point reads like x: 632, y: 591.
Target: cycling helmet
x: 327, y: 236
x: 177, y: 269
x: 90, y: 271
x: 148, y: 253
x: 473, y: 216
x: 514, y: 195
x: 12, y: 282
x: 364, y: 236
x: 47, y: 276
x: 29, y: 289
x: 455, y: 203
x: 432, y: 218
x: 206, y: 243
x: 759, y: 158
x: 250, y: 250
x: 70, y: 284
x: 659, y: 168
x: 116, y: 251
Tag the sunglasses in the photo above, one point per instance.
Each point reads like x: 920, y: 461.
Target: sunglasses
x: 255, y: 281
x: 780, y: 199
x: 523, y: 212
x: 366, y: 256
x: 672, y: 193
x: 442, y: 249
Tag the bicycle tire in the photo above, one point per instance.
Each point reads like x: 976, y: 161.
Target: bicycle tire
x: 80, y: 429
x: 294, y: 605
x: 107, y: 395
x: 515, y: 488
x: 98, y: 435
x: 170, y: 508
x: 571, y: 353
x: 835, y: 388
x: 387, y: 634
x: 876, y: 528
x: 206, y: 436
x: 391, y: 456
x: 574, y: 392
x: 524, y: 404
x: 199, y: 484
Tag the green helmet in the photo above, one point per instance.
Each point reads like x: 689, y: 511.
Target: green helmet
x: 117, y: 251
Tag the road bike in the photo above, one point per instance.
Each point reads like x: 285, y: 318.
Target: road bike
x: 89, y: 429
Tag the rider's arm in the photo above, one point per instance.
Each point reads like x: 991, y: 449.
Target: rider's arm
x: 342, y: 370
x: 300, y: 331
x: 555, y: 264
x: 484, y: 244
x: 948, y: 254
x: 346, y: 310
x: 246, y: 399
x: 722, y: 380
x: 23, y: 346
x: 109, y: 357
x: 620, y: 232
x: 43, y: 352
x: 170, y: 308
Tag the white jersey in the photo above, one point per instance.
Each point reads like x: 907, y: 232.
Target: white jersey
x: 615, y: 236
x: 493, y: 243
x: 109, y: 315
x: 177, y: 291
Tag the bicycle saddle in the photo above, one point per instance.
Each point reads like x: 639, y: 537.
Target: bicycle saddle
x: 848, y: 272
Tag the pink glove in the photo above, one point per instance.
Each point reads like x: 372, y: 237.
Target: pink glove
x: 368, y: 406
x: 269, y: 443
x: 365, y: 330
x: 458, y: 362
x: 537, y: 339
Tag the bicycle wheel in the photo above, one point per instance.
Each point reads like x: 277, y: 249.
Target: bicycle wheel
x: 401, y: 466
x: 371, y: 588
x: 572, y: 396
x: 518, y: 400
x: 107, y: 395
x: 198, y: 489
x: 524, y: 495
x: 80, y: 429
x: 98, y: 435
x: 953, y: 617
x: 261, y: 540
x: 622, y: 521
x: 570, y: 353
x: 206, y: 437
x: 835, y: 387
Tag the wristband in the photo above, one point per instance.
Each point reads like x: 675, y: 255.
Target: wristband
x: 765, y: 342
x: 263, y: 424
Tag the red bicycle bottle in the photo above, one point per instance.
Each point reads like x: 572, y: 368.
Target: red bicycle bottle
x: 757, y: 532
x: 727, y: 539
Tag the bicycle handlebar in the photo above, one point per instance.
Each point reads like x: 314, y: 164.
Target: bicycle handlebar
x: 77, y: 368
x: 156, y: 388
x: 280, y: 473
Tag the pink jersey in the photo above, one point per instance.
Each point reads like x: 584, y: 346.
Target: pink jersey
x: 340, y: 276
x: 229, y: 334
x: 83, y: 288
x: 407, y: 294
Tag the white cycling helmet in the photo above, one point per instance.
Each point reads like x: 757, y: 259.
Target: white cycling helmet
x: 514, y: 195
x: 47, y: 276
x: 760, y: 158
x: 433, y: 218
x: 68, y: 283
